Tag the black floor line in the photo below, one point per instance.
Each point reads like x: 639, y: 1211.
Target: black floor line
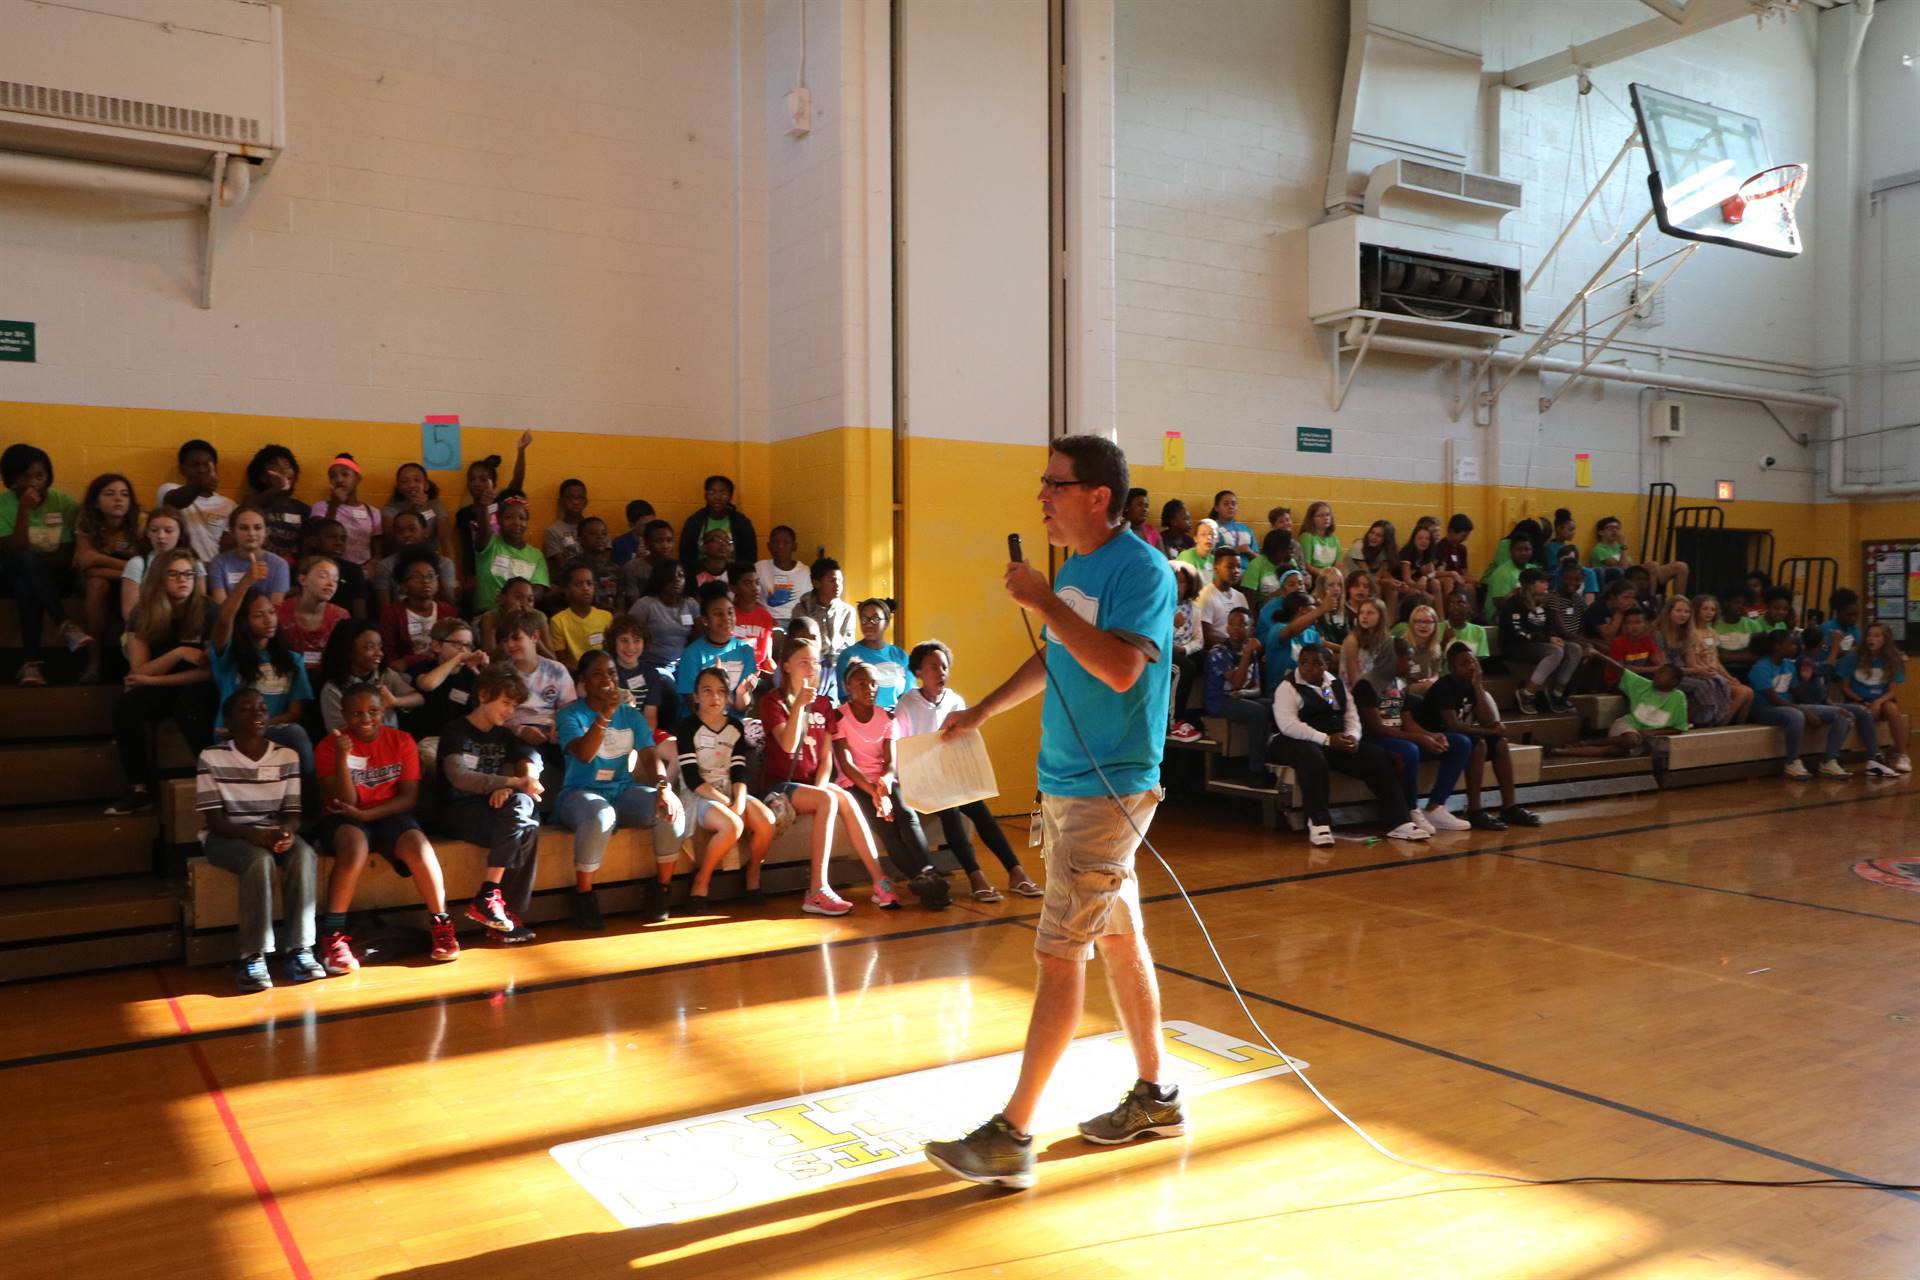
x: 1708, y: 888
x: 303, y: 1022
x: 1624, y: 1108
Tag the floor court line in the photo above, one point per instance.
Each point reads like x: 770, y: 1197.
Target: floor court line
x: 1708, y: 888
x: 560, y: 984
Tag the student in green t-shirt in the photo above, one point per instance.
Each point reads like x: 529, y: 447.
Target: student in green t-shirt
x: 1656, y: 708
x: 35, y: 552
x: 1610, y: 553
x: 1502, y: 576
x: 1461, y: 626
x: 1319, y: 545
x: 506, y: 555
x: 1261, y: 580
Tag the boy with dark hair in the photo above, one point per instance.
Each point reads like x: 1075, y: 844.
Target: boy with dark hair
x: 1453, y: 546
x: 1634, y: 648
x: 198, y: 499
x: 633, y: 541
x: 1458, y: 702
x: 718, y: 513
x: 1233, y: 689
x: 1531, y: 643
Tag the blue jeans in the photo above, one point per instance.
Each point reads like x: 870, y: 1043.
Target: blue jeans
x: 254, y: 866
x: 593, y: 819
x: 1408, y: 755
x: 1255, y: 715
x: 1838, y: 720
x: 1791, y: 720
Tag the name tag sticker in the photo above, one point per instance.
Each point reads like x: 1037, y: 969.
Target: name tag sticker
x: 603, y: 775
x: 458, y: 697
x: 357, y: 762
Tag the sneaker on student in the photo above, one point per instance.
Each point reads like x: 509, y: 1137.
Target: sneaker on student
x: 1409, y: 831
x: 302, y: 967
x: 490, y: 909
x: 932, y: 889
x: 1558, y: 702
x: 1484, y: 820
x: 1181, y: 731
x: 1421, y: 820
x: 653, y: 906
x: 1319, y: 833
x: 586, y: 909
x: 824, y: 902
x: 884, y: 894
x: 513, y: 937
x: 443, y: 945
x: 251, y: 975
x: 336, y: 954
x: 1527, y: 701
x: 991, y: 1155
x: 1879, y: 768
x: 1514, y: 816
x: 135, y: 801
x: 1902, y: 764
x: 1798, y: 771
x: 1441, y: 820
x: 1834, y: 769
x: 74, y: 636
x: 1143, y: 1113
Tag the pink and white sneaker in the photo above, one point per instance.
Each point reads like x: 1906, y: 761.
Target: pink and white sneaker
x: 825, y: 902
x: 885, y: 896
x: 1181, y: 731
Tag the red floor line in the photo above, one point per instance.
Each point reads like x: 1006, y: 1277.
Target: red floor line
x: 269, y: 1203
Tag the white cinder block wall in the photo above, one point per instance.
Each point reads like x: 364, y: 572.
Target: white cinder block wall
x: 1225, y: 119
x: 536, y: 215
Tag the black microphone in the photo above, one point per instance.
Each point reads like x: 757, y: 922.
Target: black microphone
x: 1013, y: 547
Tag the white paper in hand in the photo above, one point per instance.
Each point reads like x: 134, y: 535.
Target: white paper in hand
x: 940, y: 773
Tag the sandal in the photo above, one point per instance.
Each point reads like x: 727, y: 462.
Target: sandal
x: 988, y: 894
x: 30, y: 676
x: 1028, y: 889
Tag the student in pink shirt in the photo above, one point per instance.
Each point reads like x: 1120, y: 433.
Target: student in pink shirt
x: 361, y: 521
x: 863, y: 736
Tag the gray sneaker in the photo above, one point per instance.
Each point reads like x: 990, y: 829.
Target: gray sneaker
x: 1140, y: 1114
x: 990, y: 1155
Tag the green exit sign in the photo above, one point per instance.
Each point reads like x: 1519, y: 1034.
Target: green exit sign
x: 1313, y: 439
x: 16, y: 340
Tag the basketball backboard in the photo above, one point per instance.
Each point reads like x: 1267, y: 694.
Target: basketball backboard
x: 1698, y: 155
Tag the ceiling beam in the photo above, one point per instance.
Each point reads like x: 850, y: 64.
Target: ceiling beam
x: 1699, y: 15
x: 1672, y: 10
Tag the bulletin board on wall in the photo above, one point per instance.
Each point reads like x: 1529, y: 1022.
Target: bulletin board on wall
x: 1891, y: 573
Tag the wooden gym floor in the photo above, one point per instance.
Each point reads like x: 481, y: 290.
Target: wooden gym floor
x: 1687, y: 982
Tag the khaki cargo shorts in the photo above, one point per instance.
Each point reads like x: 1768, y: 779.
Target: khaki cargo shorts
x: 1092, y: 890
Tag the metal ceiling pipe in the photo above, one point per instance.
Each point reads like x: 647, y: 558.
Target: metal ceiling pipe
x: 87, y: 175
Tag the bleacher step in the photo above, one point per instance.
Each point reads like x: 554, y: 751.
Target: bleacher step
x: 59, y: 711
x: 1576, y: 768
x: 58, y: 773
x: 96, y: 924
x: 73, y: 842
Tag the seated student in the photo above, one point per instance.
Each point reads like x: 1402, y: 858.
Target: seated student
x: 1643, y: 589
x: 797, y: 719
x: 1530, y: 642
x: 1377, y: 552
x: 712, y: 745
x: 560, y: 541
x: 494, y: 792
x: 163, y: 533
x: 360, y: 520
x: 1189, y: 652
x: 1731, y: 630
x: 1704, y: 662
x: 1503, y: 575
x: 548, y: 686
x: 370, y: 772
x: 1232, y: 532
x: 517, y: 599
x: 1422, y: 571
x: 1605, y: 619
x: 249, y: 791
x: 1369, y: 644
x: 1452, y: 550
x: 1220, y: 596
x: 718, y: 513
x: 1261, y: 578
x: 1459, y: 703
x: 1840, y: 634
x: 753, y: 622
x: 1319, y: 542
x: 888, y: 662
x: 406, y: 625
x: 1776, y: 676
x: 634, y: 541
x: 1200, y: 555
x: 308, y: 616
x: 1386, y: 719
x: 1233, y: 689
x: 596, y: 554
x: 35, y: 553
x: 328, y: 537
x: 1867, y: 675
x: 356, y: 655
x: 1176, y: 528
x: 197, y: 498
x: 1736, y: 606
x: 656, y: 549
x: 924, y: 709
x: 1136, y: 512
x: 1635, y: 648
x: 581, y: 627
x: 248, y: 526
x: 1573, y: 579
x: 1287, y: 626
x: 475, y: 524
x: 603, y: 734
x: 716, y: 646
x: 1656, y: 708
x: 247, y: 651
x: 1280, y: 518
x: 1778, y: 612
x: 669, y: 614
x: 641, y: 684
x: 1461, y: 628
x: 1428, y: 658
x: 839, y: 622
x: 1560, y: 537
x: 272, y: 475
x: 446, y: 687
x: 716, y: 559
x: 1320, y: 731
x: 408, y: 531
x: 863, y: 736
x: 1610, y: 553
x: 1815, y: 688
x: 416, y: 495
x: 507, y: 556
x: 783, y: 580
x: 167, y: 650
x: 106, y: 538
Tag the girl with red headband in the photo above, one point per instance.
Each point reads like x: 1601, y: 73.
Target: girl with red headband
x: 361, y: 521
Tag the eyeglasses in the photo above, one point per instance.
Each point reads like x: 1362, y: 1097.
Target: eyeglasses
x: 181, y: 575
x: 1054, y: 486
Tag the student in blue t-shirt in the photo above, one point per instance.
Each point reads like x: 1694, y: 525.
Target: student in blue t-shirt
x: 1287, y: 627
x: 1867, y: 675
x: 1778, y: 674
x: 1234, y: 689
x: 1840, y: 633
x: 247, y: 651
x: 717, y: 646
x: 1107, y: 660
x: 891, y: 674
x: 599, y: 733
x: 1231, y: 531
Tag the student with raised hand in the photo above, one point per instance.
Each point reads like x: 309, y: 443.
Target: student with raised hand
x: 1232, y: 531
x: 370, y: 773
x: 560, y: 541
x: 1288, y: 625
x: 1386, y: 718
x: 228, y: 569
x: 272, y: 474
x: 603, y: 733
x: 106, y: 537
x: 476, y: 523
x: 356, y: 655
x: 1459, y: 703
x: 36, y: 548
x: 248, y: 652
x: 507, y: 555
x: 1867, y: 675
x: 406, y: 624
x: 197, y: 497
x: 1656, y: 708
x: 581, y: 626
x: 493, y: 777
x: 167, y: 650
x: 416, y: 495
x: 892, y: 676
x: 712, y: 745
x: 718, y: 513
x: 839, y: 623
x: 411, y: 539
x: 863, y: 754
x: 248, y: 789
x: 1320, y: 733
x: 783, y: 579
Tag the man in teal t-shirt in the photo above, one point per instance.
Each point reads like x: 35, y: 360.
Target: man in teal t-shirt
x: 1104, y: 678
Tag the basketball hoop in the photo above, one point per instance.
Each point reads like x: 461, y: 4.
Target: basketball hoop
x: 1783, y: 182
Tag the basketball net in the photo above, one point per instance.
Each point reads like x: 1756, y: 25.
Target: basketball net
x: 1780, y: 187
